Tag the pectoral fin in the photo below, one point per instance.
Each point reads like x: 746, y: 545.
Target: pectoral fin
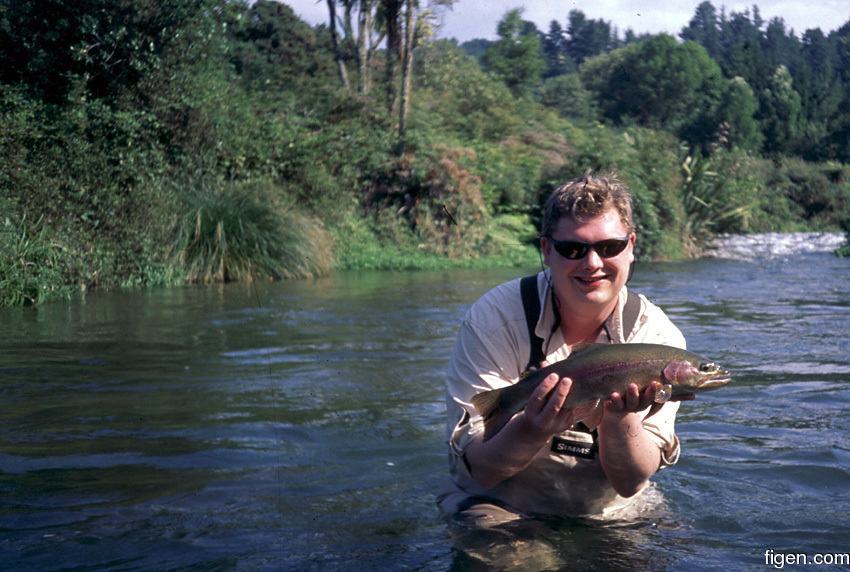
x: 590, y: 414
x: 663, y: 393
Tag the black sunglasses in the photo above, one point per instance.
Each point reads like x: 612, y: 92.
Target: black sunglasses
x: 575, y: 250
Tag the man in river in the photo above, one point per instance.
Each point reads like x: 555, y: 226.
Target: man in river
x: 544, y: 461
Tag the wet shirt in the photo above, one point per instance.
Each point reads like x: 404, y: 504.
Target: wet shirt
x: 491, y: 351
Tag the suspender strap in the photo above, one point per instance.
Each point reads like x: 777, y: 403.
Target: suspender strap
x: 531, y: 305
x: 630, y: 313
x: 631, y: 310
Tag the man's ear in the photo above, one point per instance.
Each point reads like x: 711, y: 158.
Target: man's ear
x: 546, y: 249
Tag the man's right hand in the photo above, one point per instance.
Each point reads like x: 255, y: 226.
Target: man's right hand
x: 545, y: 411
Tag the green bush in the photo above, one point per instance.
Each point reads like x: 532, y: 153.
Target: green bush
x: 470, y: 104
x: 798, y: 195
x: 89, y: 176
x: 362, y: 245
x: 569, y: 98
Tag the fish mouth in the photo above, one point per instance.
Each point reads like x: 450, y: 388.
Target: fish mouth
x: 716, y: 381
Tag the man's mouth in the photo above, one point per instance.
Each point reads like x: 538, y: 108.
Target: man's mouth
x: 590, y: 279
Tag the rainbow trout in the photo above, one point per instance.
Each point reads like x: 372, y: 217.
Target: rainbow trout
x: 597, y: 371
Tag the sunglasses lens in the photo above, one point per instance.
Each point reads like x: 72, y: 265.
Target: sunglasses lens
x: 609, y: 248
x: 572, y: 250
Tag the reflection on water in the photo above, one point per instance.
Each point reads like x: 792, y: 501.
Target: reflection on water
x: 564, y: 545
x: 486, y: 540
x: 299, y: 426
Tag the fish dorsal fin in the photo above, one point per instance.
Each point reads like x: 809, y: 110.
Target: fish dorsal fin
x: 583, y: 347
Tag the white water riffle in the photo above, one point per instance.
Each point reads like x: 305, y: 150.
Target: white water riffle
x: 772, y: 244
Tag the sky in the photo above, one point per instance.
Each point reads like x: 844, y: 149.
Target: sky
x: 470, y: 19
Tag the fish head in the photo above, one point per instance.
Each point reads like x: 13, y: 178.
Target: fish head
x: 691, y: 376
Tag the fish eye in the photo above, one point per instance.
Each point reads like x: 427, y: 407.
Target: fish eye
x: 707, y: 366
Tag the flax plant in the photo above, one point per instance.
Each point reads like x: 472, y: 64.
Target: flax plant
x: 707, y: 205
x: 243, y: 233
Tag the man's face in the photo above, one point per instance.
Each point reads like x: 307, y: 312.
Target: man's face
x: 591, y: 283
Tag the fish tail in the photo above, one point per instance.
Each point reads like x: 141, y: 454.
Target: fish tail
x: 489, y: 405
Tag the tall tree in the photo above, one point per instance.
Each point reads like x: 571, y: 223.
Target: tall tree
x: 362, y: 37
x: 781, y: 47
x: 109, y: 48
x: 704, y: 29
x: 407, y: 73
x: 817, y: 52
x: 780, y: 114
x: 743, y: 53
x: 392, y: 12
x: 587, y: 38
x: 554, y: 49
x: 839, y: 137
x: 366, y: 44
x: 343, y: 73
x: 363, y: 32
x: 737, y: 115
x: 821, y: 91
x: 515, y: 57
x: 273, y: 49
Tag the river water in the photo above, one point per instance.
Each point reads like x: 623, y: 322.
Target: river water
x: 299, y: 426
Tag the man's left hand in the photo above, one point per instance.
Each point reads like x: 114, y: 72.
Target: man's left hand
x: 633, y: 400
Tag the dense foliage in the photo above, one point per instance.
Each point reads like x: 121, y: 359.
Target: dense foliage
x: 148, y: 142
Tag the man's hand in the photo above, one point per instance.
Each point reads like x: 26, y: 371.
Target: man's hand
x: 545, y: 412
x: 633, y: 400
x: 515, y: 446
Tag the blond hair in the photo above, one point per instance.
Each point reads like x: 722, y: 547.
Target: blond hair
x: 587, y: 197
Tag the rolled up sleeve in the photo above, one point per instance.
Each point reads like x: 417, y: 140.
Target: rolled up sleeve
x: 474, y: 367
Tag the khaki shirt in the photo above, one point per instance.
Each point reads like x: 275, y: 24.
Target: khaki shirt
x: 491, y: 351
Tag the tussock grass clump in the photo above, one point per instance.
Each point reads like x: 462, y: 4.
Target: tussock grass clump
x: 243, y: 232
